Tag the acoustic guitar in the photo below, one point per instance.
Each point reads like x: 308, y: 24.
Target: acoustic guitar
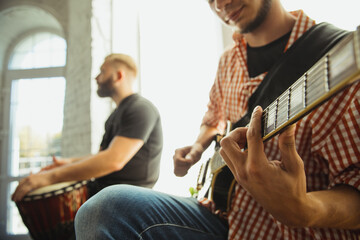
x: 335, y: 71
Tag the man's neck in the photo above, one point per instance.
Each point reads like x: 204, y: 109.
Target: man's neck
x: 277, y: 24
x: 121, y: 95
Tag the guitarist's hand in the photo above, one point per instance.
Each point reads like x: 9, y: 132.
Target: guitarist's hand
x: 185, y: 157
x: 278, y: 185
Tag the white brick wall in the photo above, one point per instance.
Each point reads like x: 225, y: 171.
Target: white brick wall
x: 101, y: 46
x: 77, y: 120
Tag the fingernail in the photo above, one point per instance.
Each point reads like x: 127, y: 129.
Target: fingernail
x: 255, y: 109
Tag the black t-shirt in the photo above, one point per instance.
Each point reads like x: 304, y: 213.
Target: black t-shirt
x: 135, y: 117
x: 261, y: 59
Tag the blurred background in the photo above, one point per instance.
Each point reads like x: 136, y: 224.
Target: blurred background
x: 51, y: 50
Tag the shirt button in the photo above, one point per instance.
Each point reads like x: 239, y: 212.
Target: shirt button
x: 236, y: 209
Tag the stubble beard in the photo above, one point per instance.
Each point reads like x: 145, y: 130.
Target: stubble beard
x: 106, y: 88
x: 259, y: 19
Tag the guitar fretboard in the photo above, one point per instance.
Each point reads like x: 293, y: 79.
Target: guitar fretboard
x: 336, y: 70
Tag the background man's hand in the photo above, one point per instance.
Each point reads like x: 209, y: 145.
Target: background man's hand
x: 30, y: 183
x: 57, y: 162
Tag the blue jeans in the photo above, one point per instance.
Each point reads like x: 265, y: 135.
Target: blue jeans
x: 128, y: 212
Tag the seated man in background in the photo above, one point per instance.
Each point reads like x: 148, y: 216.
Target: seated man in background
x: 131, y: 147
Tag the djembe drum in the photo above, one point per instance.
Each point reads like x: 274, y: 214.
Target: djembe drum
x: 49, y: 212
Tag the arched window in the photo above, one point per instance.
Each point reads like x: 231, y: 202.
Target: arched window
x: 40, y: 50
x: 36, y: 75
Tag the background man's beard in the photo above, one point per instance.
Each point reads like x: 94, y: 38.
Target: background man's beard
x: 259, y: 19
x: 105, y: 89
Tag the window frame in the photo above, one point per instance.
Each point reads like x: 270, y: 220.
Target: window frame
x: 5, y: 139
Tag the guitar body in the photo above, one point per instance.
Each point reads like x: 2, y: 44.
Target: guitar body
x: 223, y: 183
x: 218, y: 187
x: 215, y: 180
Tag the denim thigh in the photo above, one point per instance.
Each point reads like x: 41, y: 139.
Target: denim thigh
x: 130, y: 212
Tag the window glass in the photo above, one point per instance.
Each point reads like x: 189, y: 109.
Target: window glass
x: 37, y: 115
x: 39, y: 51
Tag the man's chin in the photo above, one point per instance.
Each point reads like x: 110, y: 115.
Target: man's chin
x: 103, y: 94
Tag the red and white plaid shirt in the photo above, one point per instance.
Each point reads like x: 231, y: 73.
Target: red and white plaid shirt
x: 328, y: 141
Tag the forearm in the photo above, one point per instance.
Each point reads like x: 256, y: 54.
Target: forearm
x: 206, y: 136
x: 84, y: 168
x: 76, y: 159
x: 335, y: 208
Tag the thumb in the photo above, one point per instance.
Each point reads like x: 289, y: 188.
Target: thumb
x: 56, y: 160
x: 288, y: 148
x: 195, y: 152
x: 287, y: 140
x: 191, y: 157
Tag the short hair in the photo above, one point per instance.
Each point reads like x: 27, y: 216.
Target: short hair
x: 123, y: 59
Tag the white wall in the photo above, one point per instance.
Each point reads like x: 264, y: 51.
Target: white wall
x: 76, y: 138
x: 180, y: 50
x: 101, y: 46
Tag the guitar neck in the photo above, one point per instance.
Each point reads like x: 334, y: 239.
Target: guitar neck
x: 332, y: 73
x: 339, y: 68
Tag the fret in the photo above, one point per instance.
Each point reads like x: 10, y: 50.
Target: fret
x: 282, y: 112
x: 270, y: 123
x: 276, y: 112
x: 288, y: 104
x: 316, y: 77
x: 304, y: 91
x: 327, y: 72
x: 315, y: 73
x: 297, y: 97
x: 357, y: 46
x: 264, y: 121
x: 341, y: 62
x: 315, y: 91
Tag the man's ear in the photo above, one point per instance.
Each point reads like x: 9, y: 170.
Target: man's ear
x: 119, y: 75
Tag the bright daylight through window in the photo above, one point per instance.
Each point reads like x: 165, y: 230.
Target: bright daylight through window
x: 36, y: 112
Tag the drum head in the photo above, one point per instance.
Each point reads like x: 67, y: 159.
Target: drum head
x: 53, y: 190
